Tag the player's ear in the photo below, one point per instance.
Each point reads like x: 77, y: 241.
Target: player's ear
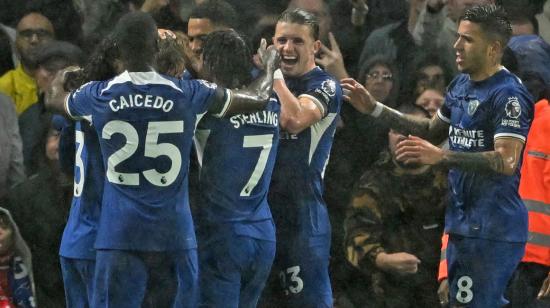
x: 317, y: 46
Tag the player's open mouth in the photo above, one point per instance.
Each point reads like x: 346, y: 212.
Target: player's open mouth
x: 289, y: 60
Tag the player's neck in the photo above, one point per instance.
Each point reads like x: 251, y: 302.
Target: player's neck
x: 486, y: 72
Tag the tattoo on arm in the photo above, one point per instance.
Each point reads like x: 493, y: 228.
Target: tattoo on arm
x: 485, y: 162
x: 433, y: 130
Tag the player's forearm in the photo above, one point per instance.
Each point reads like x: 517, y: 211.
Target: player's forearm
x: 403, y: 123
x: 487, y: 162
x: 290, y: 107
x: 254, y: 97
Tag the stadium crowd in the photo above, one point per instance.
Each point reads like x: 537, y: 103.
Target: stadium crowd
x: 348, y: 204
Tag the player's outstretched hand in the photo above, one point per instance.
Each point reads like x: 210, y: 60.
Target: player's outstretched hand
x: 544, y: 293
x: 358, y: 96
x: 268, y: 56
x: 415, y: 150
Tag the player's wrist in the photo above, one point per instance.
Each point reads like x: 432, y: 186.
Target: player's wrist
x: 278, y: 75
x: 376, y: 110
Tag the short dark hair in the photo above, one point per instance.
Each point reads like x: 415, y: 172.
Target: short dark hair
x: 219, y: 12
x: 55, y: 55
x: 227, y: 59
x: 493, y: 21
x: 301, y: 17
x: 135, y: 36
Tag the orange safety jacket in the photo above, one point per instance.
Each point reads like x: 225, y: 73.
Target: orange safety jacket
x: 534, y: 187
x: 442, y: 274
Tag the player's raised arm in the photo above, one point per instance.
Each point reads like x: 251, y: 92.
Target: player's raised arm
x: 255, y: 96
x: 435, y: 130
x: 297, y: 113
x: 56, y: 95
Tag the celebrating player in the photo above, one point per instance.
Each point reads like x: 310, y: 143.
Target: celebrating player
x: 235, y: 230
x: 145, y: 122
x: 310, y: 100
x: 486, y: 115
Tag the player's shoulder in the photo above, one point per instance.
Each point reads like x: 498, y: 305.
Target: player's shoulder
x: 508, y: 84
x: 458, y: 81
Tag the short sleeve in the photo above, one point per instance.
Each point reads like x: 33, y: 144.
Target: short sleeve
x: 324, y: 92
x: 444, y: 113
x: 513, y: 113
x: 206, y: 96
x: 79, y: 103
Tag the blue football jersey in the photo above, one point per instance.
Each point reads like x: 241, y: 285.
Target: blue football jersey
x: 80, y: 232
x: 237, y: 156
x: 296, y: 193
x: 486, y: 205
x: 145, y: 122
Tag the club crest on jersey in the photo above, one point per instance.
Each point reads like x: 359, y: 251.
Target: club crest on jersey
x: 472, y: 106
x: 208, y: 84
x: 513, y: 108
x: 329, y: 86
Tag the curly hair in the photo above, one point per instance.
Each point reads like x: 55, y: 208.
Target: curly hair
x: 100, y: 65
x: 227, y: 59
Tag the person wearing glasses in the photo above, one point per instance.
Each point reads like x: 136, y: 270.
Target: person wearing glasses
x: 33, y: 31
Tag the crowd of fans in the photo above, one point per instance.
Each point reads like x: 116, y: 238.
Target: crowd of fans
x: 387, y: 219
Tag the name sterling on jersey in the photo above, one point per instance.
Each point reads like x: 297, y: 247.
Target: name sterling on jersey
x: 138, y: 100
x: 261, y: 117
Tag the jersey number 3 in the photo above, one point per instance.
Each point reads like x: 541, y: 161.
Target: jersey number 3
x: 152, y: 149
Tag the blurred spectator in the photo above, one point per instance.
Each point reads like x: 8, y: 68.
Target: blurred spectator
x: 437, y: 24
x: 531, y: 52
x: 394, y: 42
x: 430, y: 99
x: 33, y: 30
x: 381, y: 78
x: 392, y: 231
x: 16, y: 277
x: 11, y: 159
x: 544, y: 22
x: 354, y: 20
x: 357, y: 145
x: 41, y: 205
x: 47, y: 60
x: 8, y: 57
x: 427, y: 70
x: 100, y: 16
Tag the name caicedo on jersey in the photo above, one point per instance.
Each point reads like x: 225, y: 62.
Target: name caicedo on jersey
x: 139, y: 100
x: 466, y: 138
